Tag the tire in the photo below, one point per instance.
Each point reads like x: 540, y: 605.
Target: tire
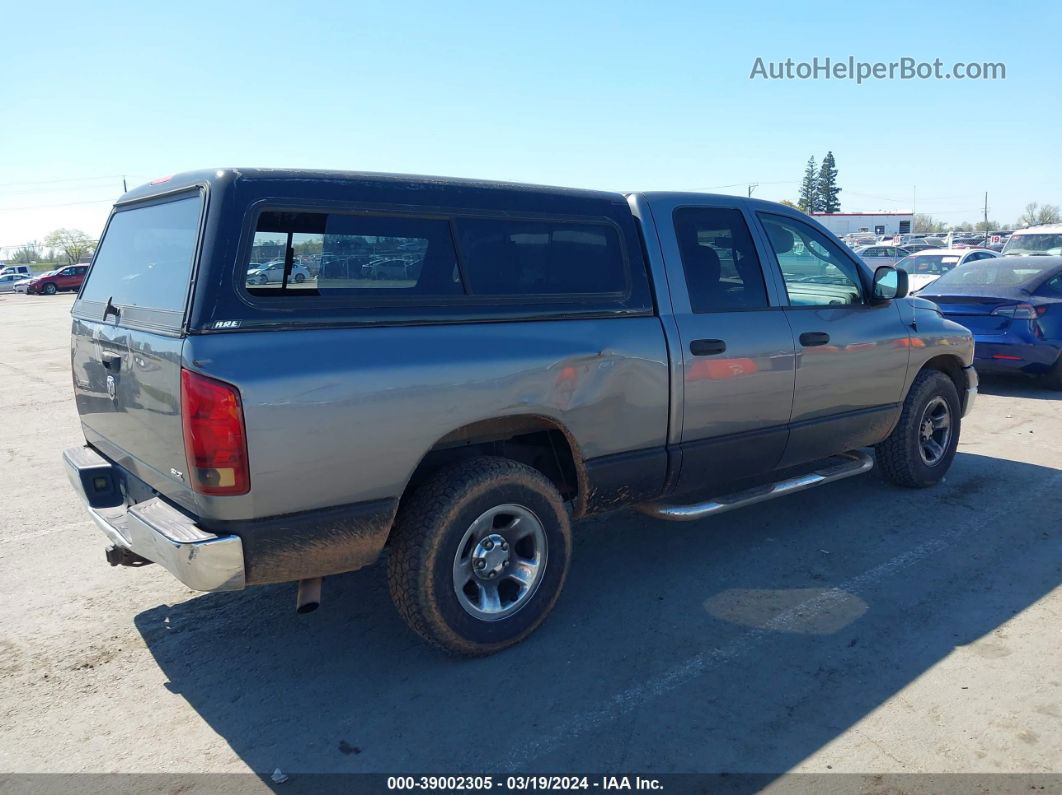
x: 906, y: 458
x: 441, y: 534
x: 299, y: 278
x: 50, y: 289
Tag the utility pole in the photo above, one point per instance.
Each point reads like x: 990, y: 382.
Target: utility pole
x: 124, y: 188
x: 753, y: 187
x: 986, y: 216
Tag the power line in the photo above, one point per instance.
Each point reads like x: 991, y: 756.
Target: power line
x: 65, y: 179
x: 64, y: 204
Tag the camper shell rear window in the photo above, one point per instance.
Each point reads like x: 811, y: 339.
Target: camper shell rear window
x: 143, y: 267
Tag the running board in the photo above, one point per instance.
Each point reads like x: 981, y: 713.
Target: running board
x: 837, y: 467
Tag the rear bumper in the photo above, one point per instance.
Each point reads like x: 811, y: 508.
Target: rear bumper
x: 1007, y: 354
x: 153, y: 529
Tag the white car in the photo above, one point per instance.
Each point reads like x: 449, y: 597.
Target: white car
x: 925, y: 267
x: 273, y: 272
x: 22, y: 284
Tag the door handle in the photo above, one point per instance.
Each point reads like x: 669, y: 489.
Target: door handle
x: 707, y: 347
x: 810, y: 339
x: 111, y: 361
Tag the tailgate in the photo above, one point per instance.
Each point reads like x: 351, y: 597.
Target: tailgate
x: 127, y: 340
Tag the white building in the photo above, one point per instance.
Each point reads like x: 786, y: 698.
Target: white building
x: 841, y: 224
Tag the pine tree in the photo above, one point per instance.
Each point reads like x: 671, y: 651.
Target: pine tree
x: 809, y: 188
x: 828, y: 189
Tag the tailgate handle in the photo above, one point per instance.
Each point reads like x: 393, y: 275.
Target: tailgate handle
x: 810, y: 339
x: 112, y: 361
x: 111, y: 309
x: 707, y: 347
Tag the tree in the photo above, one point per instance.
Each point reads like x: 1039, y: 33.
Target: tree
x: 788, y: 203
x: 809, y: 188
x: 25, y: 255
x: 74, y: 244
x: 925, y: 224
x: 1035, y: 215
x: 828, y: 189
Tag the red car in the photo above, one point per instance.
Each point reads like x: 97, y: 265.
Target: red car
x: 69, y: 278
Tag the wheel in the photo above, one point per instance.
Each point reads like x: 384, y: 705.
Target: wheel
x: 299, y: 278
x: 49, y: 289
x: 920, y: 449
x: 479, y: 555
x: 263, y: 279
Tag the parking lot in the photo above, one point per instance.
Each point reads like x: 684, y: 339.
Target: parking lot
x: 853, y: 628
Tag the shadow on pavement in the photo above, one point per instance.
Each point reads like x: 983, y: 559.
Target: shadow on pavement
x: 1018, y: 386
x: 741, y: 644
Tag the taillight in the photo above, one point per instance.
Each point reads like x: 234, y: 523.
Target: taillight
x: 1016, y: 311
x: 214, y: 438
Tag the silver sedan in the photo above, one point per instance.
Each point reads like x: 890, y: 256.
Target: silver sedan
x: 876, y: 256
x: 7, y: 281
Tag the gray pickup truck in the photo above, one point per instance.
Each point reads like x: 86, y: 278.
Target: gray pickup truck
x: 466, y: 367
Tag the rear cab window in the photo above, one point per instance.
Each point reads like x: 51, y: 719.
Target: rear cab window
x: 144, y: 264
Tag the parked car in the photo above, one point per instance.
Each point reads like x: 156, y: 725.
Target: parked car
x: 1013, y: 306
x: 273, y: 273
x: 22, y: 284
x: 7, y: 282
x: 391, y: 269
x: 925, y: 267
x: 21, y: 271
x: 876, y: 256
x: 919, y: 246
x: 544, y: 366
x: 1035, y: 241
x: 57, y: 281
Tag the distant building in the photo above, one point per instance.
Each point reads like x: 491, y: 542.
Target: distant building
x: 842, y: 224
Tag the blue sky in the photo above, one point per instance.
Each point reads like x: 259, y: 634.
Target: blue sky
x: 609, y: 95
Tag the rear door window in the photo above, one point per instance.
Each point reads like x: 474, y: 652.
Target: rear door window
x: 145, y: 258
x: 723, y: 272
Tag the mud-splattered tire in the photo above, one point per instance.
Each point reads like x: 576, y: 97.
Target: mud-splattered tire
x: 918, y: 452
x: 479, y: 555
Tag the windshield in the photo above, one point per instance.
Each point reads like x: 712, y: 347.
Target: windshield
x: 1045, y: 244
x: 986, y: 274
x: 929, y: 263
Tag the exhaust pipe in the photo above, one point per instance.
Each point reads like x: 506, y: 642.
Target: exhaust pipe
x: 309, y: 598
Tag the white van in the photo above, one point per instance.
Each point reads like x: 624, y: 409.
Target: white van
x: 1044, y: 240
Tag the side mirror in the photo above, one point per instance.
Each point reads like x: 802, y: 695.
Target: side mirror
x: 889, y: 283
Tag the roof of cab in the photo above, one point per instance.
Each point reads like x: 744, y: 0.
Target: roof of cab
x: 188, y: 179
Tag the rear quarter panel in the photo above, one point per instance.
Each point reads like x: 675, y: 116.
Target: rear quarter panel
x: 338, y: 416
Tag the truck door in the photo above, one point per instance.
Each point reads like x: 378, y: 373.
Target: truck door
x: 737, y: 349
x: 852, y: 355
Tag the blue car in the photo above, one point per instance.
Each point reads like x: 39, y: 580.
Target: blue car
x: 1013, y: 306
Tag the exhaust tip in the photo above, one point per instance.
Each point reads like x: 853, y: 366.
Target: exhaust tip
x: 309, y: 596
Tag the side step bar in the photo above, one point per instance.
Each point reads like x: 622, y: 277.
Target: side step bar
x: 835, y: 468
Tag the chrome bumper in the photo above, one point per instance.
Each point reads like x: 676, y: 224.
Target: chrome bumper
x: 971, y: 389
x: 153, y: 529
